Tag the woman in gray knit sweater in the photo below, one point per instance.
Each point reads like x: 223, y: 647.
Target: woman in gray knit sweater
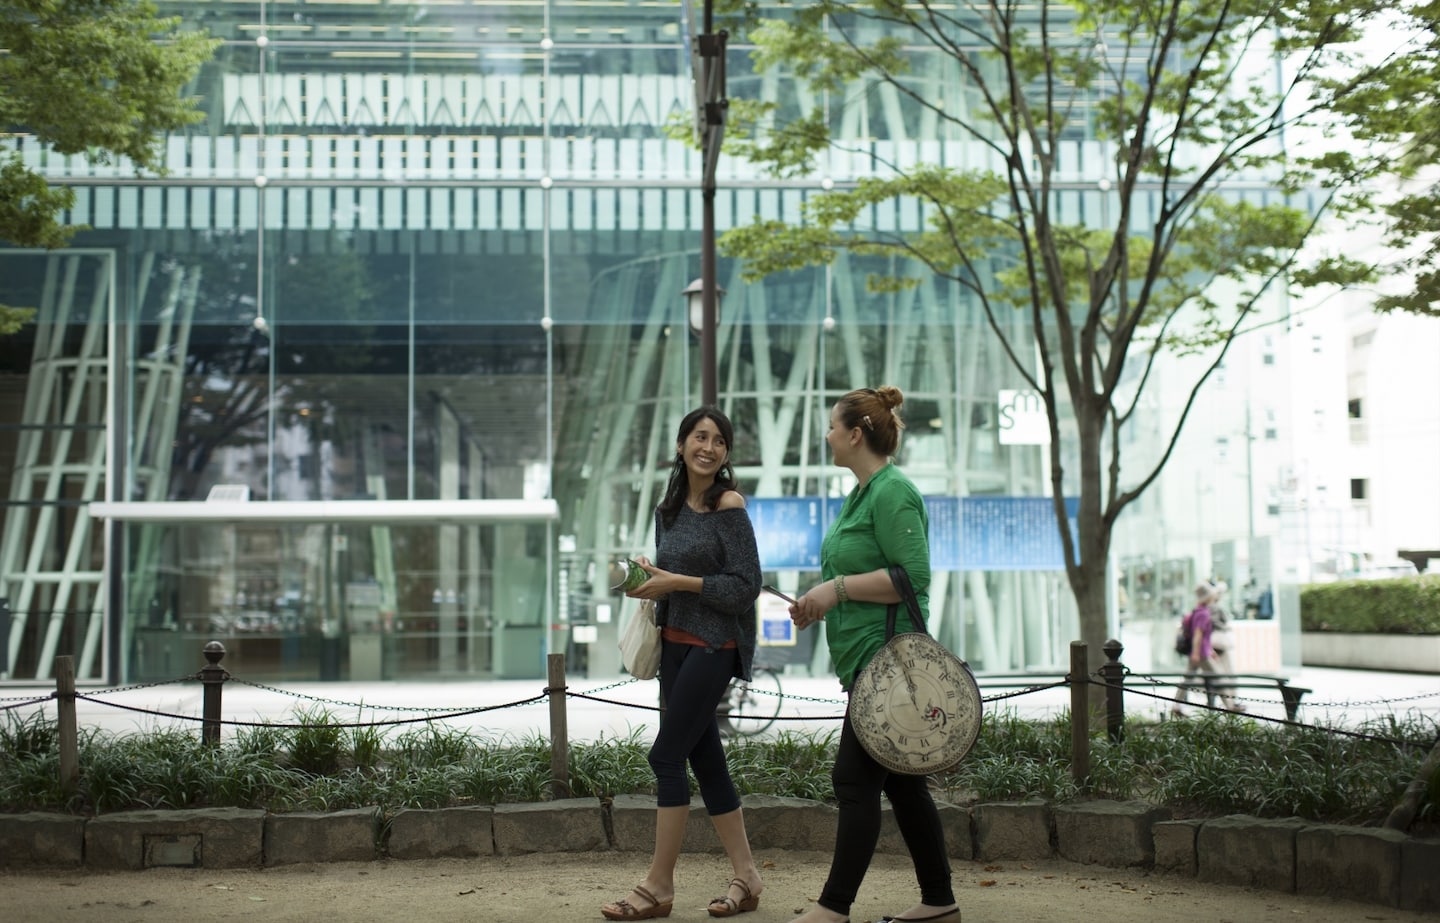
x: 704, y: 581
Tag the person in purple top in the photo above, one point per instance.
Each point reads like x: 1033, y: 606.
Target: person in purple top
x: 1199, y: 626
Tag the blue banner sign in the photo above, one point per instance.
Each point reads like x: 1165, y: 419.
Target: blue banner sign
x: 788, y: 530
x: 945, y: 532
x: 966, y: 533
x: 1011, y: 533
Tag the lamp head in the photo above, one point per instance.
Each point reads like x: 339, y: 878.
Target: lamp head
x: 695, y: 304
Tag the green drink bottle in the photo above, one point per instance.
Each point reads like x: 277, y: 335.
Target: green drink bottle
x: 634, y: 576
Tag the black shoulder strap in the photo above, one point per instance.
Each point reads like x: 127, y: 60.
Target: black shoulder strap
x: 901, y: 580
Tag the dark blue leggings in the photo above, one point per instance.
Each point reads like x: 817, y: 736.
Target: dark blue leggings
x: 859, y: 780
x: 693, y: 679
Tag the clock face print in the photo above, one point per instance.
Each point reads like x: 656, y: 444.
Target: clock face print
x: 916, y: 707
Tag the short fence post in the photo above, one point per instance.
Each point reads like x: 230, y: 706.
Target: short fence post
x: 213, y: 676
x: 69, y: 735
x: 559, y: 732
x: 1113, y: 672
x: 1079, y: 714
x: 4, y: 637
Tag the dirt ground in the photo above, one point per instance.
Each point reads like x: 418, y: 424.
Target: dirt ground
x: 569, y: 888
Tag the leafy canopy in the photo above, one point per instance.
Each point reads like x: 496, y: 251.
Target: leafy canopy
x: 1230, y: 130
x: 1182, y: 92
x: 1414, y: 218
x: 101, y: 78
x: 1207, y: 183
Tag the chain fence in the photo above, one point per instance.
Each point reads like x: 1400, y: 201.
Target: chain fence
x: 431, y: 715
x: 1138, y: 693
x: 1118, y: 683
x: 1132, y: 688
x: 746, y: 710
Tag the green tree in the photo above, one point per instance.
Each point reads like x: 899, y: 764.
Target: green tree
x: 1414, y: 218
x: 96, y: 77
x: 1190, y: 98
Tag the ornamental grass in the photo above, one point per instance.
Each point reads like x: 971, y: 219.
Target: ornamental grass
x: 1207, y: 766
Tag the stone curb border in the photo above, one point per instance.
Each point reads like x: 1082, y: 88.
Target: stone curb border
x: 1365, y: 864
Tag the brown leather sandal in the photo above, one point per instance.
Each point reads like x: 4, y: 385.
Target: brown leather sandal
x: 727, y: 906
x: 624, y: 910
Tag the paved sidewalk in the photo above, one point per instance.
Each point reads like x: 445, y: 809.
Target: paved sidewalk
x: 569, y: 888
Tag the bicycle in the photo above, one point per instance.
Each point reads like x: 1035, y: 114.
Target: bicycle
x: 749, y: 708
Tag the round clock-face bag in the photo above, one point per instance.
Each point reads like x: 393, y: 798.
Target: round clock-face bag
x: 916, y: 707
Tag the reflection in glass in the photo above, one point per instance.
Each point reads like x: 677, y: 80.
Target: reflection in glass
x: 342, y: 602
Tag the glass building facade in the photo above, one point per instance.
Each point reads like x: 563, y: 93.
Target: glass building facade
x: 428, y: 258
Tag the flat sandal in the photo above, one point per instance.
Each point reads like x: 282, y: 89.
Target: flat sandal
x: 628, y: 911
x: 728, y: 906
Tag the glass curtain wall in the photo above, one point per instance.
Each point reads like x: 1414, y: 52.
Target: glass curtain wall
x: 435, y: 252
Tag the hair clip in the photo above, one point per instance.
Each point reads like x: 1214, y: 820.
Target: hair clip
x: 866, y: 419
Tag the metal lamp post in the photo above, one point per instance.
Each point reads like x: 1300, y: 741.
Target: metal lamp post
x: 708, y: 63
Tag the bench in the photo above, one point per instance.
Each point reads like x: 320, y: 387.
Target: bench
x: 1017, y: 680
x: 1209, y: 683
x: 1212, y: 684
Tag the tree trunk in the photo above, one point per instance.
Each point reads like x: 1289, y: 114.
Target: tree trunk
x: 1088, y: 575
x: 1404, y: 813
x: 1087, y: 581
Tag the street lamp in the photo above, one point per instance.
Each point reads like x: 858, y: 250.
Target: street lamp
x: 695, y: 305
x: 704, y: 327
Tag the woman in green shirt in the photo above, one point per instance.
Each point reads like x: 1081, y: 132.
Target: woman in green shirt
x: 882, y: 523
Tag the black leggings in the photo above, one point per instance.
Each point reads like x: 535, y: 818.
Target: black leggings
x: 859, y: 780
x: 693, y: 679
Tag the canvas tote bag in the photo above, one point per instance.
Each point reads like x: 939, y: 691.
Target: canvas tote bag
x: 640, y: 645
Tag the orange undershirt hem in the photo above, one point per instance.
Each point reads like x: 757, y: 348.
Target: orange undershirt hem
x: 679, y: 636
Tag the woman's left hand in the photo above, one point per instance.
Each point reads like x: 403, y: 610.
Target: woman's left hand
x: 663, y: 582
x: 655, y: 587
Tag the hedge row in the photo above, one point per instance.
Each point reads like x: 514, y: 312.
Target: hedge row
x: 1401, y: 606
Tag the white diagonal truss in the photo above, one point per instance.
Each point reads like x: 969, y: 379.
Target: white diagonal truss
x: 51, y: 552
x: 778, y: 379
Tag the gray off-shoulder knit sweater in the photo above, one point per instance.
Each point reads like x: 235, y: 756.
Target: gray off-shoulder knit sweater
x: 719, y: 547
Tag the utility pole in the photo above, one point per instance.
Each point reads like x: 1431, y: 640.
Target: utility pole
x: 1249, y: 480
x: 710, y: 106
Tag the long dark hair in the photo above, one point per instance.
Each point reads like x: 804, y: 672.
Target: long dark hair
x: 679, y: 487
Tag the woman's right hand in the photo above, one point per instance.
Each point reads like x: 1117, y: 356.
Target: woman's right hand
x: 811, y: 607
x: 663, y: 582
x: 648, y: 589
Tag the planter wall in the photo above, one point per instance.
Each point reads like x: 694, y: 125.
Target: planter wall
x: 1355, y: 863
x: 1404, y: 653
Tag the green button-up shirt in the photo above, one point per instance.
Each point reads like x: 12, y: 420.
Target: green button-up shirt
x: 880, y: 524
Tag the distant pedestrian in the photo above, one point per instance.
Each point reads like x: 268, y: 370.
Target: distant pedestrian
x: 1250, y: 598
x: 1222, y: 641
x: 1265, y: 604
x: 1199, y: 627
